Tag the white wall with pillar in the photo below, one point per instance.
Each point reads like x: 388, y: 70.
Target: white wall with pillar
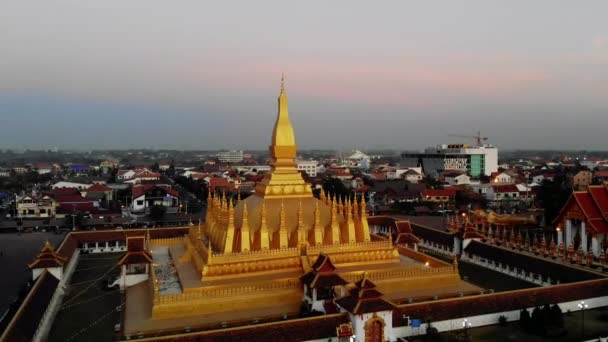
x: 568, y: 232
x: 583, y: 234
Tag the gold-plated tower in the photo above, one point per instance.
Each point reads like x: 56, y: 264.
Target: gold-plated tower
x: 245, y: 231
x: 284, y: 181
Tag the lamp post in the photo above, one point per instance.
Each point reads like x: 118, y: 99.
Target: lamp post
x: 582, y: 305
x: 466, y: 325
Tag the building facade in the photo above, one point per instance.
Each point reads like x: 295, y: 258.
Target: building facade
x: 474, y: 160
x: 309, y: 166
x: 230, y: 156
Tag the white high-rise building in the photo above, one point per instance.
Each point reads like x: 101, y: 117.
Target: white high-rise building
x: 311, y: 167
x: 230, y: 156
x: 474, y: 160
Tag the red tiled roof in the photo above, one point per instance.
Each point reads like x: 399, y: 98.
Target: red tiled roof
x: 98, y: 187
x: 503, y: 188
x: 439, y: 192
x: 63, y: 199
x: 364, y: 298
x: 323, y: 264
x: 599, y: 193
x: 136, y: 258
x: 47, y: 258
x: 403, y: 233
x: 141, y: 189
x: 147, y: 174
x: 587, y: 205
x: 323, y: 274
x: 601, y: 173
x: 64, y: 191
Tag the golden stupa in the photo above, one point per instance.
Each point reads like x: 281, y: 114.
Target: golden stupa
x: 246, y: 260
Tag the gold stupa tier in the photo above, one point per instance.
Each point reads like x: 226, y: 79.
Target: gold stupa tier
x: 284, y: 180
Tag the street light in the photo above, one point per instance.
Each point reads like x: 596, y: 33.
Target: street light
x: 582, y: 305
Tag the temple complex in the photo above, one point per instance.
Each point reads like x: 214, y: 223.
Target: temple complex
x: 285, y: 265
x: 248, y: 258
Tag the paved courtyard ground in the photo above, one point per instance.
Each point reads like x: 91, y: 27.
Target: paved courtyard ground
x: 485, y: 278
x: 88, y: 312
x: 596, y: 325
x: 16, y: 252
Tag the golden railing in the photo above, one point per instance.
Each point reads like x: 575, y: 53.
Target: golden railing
x: 211, y: 293
x: 347, y: 247
x: 219, y: 258
x: 166, y: 241
x: 400, y: 273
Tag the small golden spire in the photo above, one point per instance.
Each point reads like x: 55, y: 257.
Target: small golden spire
x: 317, y: 215
x: 283, y: 241
x: 245, y: 230
x: 300, y: 215
x: 318, y: 230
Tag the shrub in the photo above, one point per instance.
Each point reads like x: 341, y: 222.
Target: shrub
x: 502, y: 320
x: 524, y: 319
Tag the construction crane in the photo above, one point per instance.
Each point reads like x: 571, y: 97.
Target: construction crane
x: 478, y: 138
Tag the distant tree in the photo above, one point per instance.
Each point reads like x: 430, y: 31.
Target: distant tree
x: 113, y: 174
x: 557, y: 316
x: 75, y: 219
x: 155, y: 167
x: 431, y: 182
x: 537, y: 323
x: 171, y: 170
x: 547, y: 315
x: 524, y: 320
x: 157, y: 212
x: 552, y: 195
x: 367, y: 180
x: 334, y: 187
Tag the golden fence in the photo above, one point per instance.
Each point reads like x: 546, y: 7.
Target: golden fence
x: 209, y: 293
x: 347, y: 247
x: 166, y: 241
x: 220, y: 258
x: 421, y: 257
x: 400, y: 273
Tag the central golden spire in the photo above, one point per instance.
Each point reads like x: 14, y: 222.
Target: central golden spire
x: 284, y: 179
x: 283, y: 145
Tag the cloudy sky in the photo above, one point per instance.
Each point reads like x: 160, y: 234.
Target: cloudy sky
x: 393, y: 74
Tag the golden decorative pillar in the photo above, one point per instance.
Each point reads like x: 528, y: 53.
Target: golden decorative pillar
x: 318, y: 229
x: 364, y: 223
x: 300, y: 231
x: 264, y: 238
x: 350, y: 224
x: 282, y: 228
x: 230, y: 229
x: 245, y: 231
x: 335, y: 225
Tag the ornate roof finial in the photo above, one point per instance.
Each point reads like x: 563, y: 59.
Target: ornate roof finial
x: 282, y: 83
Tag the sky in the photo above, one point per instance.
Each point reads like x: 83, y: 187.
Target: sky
x: 359, y: 74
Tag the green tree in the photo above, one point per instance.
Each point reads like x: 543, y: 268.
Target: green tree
x: 157, y: 212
